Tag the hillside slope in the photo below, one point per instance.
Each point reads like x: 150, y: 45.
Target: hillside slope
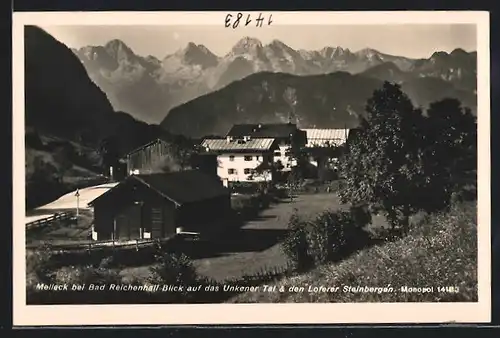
x: 334, y: 100
x: 427, y: 257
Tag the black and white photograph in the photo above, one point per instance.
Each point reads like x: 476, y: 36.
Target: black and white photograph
x: 197, y: 163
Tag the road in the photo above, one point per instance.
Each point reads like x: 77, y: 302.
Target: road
x: 68, y: 201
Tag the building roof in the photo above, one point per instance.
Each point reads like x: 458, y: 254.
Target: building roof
x: 180, y: 187
x: 272, y: 130
x: 158, y: 139
x: 317, y: 137
x: 223, y: 145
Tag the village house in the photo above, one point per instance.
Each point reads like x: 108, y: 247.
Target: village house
x: 237, y: 159
x: 160, y: 205
x: 324, y: 147
x: 287, y: 137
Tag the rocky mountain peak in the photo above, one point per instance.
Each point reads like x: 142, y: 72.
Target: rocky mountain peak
x: 278, y: 43
x: 368, y: 53
x: 194, y: 54
x: 333, y: 52
x: 118, y: 49
x: 246, y: 44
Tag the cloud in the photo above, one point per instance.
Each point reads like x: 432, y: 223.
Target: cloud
x: 176, y: 36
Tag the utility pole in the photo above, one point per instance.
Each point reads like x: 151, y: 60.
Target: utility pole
x: 77, y: 194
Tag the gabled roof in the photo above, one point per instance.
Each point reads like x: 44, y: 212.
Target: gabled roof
x: 223, y: 145
x: 272, y: 130
x: 180, y: 187
x: 317, y: 137
x: 158, y: 139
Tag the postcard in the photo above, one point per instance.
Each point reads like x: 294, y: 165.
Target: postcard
x: 251, y: 168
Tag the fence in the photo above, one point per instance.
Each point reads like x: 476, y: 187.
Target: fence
x: 265, y: 274
x: 60, y: 216
x: 96, y: 245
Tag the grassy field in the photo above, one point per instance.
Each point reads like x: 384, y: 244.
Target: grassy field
x: 440, y: 251
x: 248, y: 249
x: 255, y: 246
x: 60, y: 232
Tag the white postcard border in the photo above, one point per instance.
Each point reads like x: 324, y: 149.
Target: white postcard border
x: 24, y: 315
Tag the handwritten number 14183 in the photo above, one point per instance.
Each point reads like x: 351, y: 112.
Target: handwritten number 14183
x: 238, y: 19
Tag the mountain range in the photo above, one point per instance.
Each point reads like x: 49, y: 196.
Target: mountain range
x: 334, y: 100
x: 149, y: 88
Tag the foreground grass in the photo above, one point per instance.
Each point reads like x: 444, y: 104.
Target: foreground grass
x: 440, y: 251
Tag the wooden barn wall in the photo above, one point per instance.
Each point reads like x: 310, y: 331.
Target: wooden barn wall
x: 120, y: 205
x: 146, y: 159
x: 103, y: 222
x: 163, y: 219
x: 128, y: 222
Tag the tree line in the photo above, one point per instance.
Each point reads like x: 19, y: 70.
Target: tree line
x: 406, y: 159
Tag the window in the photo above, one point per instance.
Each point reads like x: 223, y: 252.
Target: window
x: 248, y: 158
x: 277, y: 153
x: 231, y: 158
x: 231, y: 171
x: 288, y: 153
x: 247, y: 171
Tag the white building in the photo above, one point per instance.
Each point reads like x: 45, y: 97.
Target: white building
x: 238, y: 158
x: 322, y: 139
x: 285, y: 134
x: 326, y: 137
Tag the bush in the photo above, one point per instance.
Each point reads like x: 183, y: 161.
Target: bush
x: 330, y: 236
x: 39, y: 264
x: 85, y: 275
x: 174, y: 269
x: 295, y: 245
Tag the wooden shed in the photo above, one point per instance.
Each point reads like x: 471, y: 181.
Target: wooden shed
x: 148, y: 158
x: 161, y: 205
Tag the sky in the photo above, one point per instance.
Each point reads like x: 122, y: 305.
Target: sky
x: 410, y: 40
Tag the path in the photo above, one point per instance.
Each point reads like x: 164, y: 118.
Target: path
x: 256, y: 245
x: 68, y: 201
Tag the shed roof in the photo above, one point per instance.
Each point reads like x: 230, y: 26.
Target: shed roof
x: 158, y: 139
x: 270, y: 130
x: 254, y: 144
x: 180, y: 187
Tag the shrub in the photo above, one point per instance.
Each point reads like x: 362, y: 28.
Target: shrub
x: 39, y: 263
x: 295, y: 244
x: 331, y: 235
x: 85, y: 275
x: 107, y: 262
x: 174, y: 269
